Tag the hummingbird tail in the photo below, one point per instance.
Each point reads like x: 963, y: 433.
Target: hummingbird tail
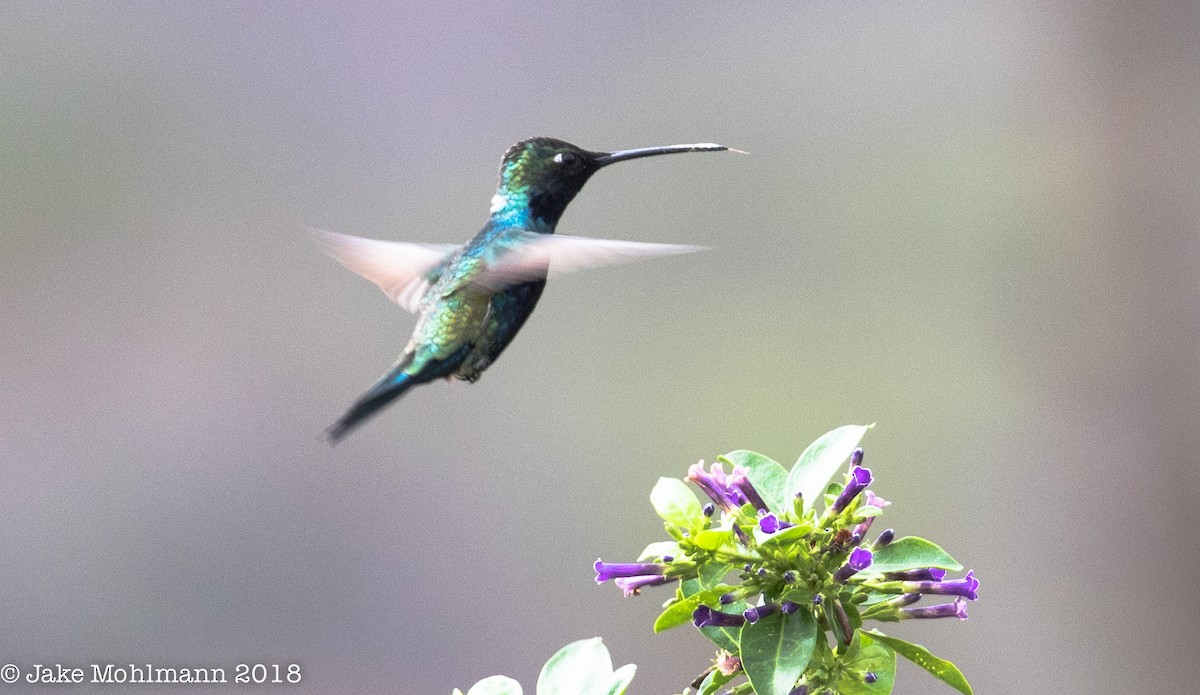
x: 389, y: 388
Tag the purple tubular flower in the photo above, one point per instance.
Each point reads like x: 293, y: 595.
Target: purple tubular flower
x: 715, y: 485
x: 799, y: 690
x: 757, y: 613
x: 860, y: 559
x: 704, y: 616
x: 789, y: 607
x: 632, y: 585
x: 860, y: 478
x: 839, y: 611
x: 929, y: 574
x: 958, y: 609
x: 870, y: 499
x: 612, y: 570
x: 967, y: 587
x: 738, y: 480
x: 770, y: 523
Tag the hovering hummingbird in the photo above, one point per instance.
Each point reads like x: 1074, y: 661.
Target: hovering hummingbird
x: 473, y: 299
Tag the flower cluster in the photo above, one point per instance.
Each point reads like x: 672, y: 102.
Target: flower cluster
x: 787, y: 557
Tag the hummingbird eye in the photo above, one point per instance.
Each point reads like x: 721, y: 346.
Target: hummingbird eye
x: 567, y: 158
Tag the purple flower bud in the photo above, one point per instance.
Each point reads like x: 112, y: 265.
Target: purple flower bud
x: 789, y: 607
x: 762, y: 572
x: 860, y: 559
x: 860, y: 478
x: 817, y: 600
x: 708, y: 509
x: 870, y: 677
x: 799, y: 690
x: 884, y: 538
x: 632, y: 586
x: 612, y: 570
x: 704, y: 616
x: 856, y: 457
x: 727, y: 599
x: 789, y: 577
x: 929, y: 574
x: 966, y: 587
x: 958, y: 609
x: 738, y: 480
x: 757, y: 613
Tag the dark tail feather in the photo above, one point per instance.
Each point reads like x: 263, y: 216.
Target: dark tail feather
x: 386, y: 390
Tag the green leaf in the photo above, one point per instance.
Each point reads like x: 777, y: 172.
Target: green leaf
x: 865, y: 512
x: 768, y: 477
x: 871, y: 657
x: 496, y: 685
x: 713, y: 538
x: 676, y: 614
x: 941, y: 669
x: 712, y: 573
x: 784, y: 537
x: 713, y: 682
x: 821, y: 460
x: 619, y: 683
x: 910, y: 553
x: 674, y: 502
x: 583, y: 668
x: 680, y: 612
x: 776, y: 650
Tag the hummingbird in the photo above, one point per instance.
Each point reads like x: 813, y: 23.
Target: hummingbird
x: 472, y: 299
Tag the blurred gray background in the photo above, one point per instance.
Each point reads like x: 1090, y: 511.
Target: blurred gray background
x: 972, y: 223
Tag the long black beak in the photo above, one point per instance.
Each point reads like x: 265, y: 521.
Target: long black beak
x: 623, y: 155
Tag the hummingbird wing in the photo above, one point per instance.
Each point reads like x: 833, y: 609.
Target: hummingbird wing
x: 540, y: 254
x: 402, y: 270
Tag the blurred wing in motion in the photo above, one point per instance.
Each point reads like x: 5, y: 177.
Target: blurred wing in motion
x: 400, y: 269
x: 557, y: 253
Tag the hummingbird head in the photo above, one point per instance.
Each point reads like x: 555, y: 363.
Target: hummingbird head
x: 542, y: 175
